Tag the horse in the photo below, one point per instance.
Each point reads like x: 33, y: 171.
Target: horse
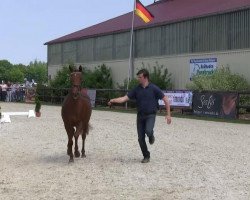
x: 76, y: 112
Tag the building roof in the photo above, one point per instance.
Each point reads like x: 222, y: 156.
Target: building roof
x: 164, y: 11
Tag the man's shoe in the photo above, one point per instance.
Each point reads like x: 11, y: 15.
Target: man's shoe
x: 145, y: 160
x: 151, y: 139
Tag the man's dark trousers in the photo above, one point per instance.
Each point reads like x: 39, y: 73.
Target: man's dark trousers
x: 145, y: 126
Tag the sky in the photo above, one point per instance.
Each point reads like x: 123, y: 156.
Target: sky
x: 25, y: 25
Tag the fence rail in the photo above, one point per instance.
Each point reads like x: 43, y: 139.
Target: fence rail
x: 56, y: 96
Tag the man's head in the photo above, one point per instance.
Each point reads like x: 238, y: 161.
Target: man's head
x: 143, y: 76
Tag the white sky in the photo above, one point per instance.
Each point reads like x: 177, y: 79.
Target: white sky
x: 27, y: 24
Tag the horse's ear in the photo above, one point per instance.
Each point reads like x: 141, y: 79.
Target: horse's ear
x: 80, y: 68
x: 71, y: 68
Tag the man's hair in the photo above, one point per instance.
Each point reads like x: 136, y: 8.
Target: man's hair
x: 144, y: 72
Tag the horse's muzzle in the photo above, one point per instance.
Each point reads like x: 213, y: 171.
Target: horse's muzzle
x: 75, y: 92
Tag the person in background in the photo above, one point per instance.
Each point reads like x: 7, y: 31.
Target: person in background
x: 4, y: 91
x: 9, y: 87
x: 0, y: 91
x: 146, y: 95
x: 18, y: 92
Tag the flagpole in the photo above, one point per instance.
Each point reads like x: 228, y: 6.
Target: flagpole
x: 131, y: 46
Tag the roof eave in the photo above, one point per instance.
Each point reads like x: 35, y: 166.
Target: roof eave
x: 146, y: 26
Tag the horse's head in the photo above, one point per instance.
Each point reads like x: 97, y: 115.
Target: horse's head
x: 75, y: 79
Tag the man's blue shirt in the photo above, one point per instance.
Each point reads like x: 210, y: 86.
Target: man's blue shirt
x: 146, y: 98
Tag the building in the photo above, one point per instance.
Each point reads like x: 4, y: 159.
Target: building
x: 186, y: 36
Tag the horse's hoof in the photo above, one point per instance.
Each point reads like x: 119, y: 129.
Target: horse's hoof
x: 71, y: 160
x: 83, y: 156
x: 77, y: 154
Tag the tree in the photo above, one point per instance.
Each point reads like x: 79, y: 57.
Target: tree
x: 222, y: 79
x: 6, y: 64
x: 99, y: 78
x: 16, y: 75
x: 37, y: 70
x: 5, y: 68
x: 158, y: 75
x: 62, y: 79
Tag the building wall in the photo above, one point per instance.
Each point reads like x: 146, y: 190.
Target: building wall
x: 222, y: 36
x: 178, y: 65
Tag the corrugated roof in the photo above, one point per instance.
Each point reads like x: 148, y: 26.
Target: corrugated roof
x: 164, y: 11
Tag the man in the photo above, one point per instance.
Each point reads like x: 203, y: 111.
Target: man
x: 146, y: 95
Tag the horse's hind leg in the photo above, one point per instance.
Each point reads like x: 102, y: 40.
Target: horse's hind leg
x: 83, y: 145
x: 70, y: 131
x: 77, y: 153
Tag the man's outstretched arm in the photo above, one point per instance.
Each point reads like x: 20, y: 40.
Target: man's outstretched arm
x: 167, y: 106
x: 118, y: 100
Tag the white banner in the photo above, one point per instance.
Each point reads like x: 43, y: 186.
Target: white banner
x: 178, y: 98
x: 204, y: 66
x: 92, y: 96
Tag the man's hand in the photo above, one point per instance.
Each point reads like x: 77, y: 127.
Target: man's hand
x: 168, y: 119
x: 110, y: 103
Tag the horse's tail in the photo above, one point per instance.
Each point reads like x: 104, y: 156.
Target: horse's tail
x: 82, y: 129
x: 88, y: 127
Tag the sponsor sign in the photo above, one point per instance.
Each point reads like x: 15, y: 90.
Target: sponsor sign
x: 221, y: 105
x: 204, y: 66
x: 92, y: 96
x: 181, y: 98
x: 30, y: 94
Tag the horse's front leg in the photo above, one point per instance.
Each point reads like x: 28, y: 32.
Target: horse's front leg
x: 77, y: 153
x: 70, y: 131
x: 83, y: 145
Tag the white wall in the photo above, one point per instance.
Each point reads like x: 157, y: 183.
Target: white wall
x: 178, y: 65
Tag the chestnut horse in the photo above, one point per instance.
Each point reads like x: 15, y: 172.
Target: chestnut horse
x: 76, y: 112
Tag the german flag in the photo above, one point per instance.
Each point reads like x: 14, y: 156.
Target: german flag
x: 143, y: 12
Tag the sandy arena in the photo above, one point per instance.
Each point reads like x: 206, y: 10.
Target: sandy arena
x: 190, y: 159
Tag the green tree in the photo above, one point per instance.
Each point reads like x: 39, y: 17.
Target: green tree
x: 6, y: 64
x: 158, y: 75
x: 62, y: 79
x: 222, y: 79
x: 37, y: 70
x: 132, y: 83
x: 99, y: 78
x: 16, y: 75
x: 5, y: 68
x: 2, y: 73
